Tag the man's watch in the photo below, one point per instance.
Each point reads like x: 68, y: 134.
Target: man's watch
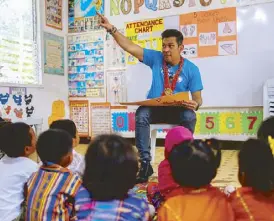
x: 197, y: 108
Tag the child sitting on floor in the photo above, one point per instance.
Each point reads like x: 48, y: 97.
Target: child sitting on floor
x: 255, y: 200
x: 54, y: 192
x: 2, y: 124
x: 194, y: 164
x: 111, y: 169
x: 18, y: 142
x: 158, y: 191
x: 78, y: 163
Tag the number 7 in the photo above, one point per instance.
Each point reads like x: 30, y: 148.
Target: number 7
x: 252, y: 122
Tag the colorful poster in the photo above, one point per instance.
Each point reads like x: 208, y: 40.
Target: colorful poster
x: 82, y: 15
x: 79, y: 114
x: 100, y: 114
x: 54, y: 13
x: 115, y: 54
x: 146, y: 33
x: 116, y: 87
x: 53, y: 54
x: 86, y: 65
x: 209, y: 33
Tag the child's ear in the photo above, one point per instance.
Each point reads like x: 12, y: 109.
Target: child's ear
x: 29, y: 150
x: 66, y: 160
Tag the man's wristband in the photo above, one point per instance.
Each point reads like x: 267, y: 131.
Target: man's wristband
x: 197, y: 108
x: 112, y: 30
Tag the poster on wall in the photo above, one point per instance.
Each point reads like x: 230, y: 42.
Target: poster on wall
x: 79, y: 114
x: 209, y: 33
x: 116, y: 87
x: 115, y: 54
x: 146, y: 33
x: 82, y: 15
x: 53, y: 54
x: 100, y: 118
x: 54, y: 13
x: 86, y: 65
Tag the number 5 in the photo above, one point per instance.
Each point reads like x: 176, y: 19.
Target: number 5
x: 210, y: 123
x: 252, y: 122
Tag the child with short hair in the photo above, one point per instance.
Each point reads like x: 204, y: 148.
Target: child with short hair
x: 266, y: 132
x: 111, y: 169
x: 194, y: 165
x: 54, y: 192
x: 78, y: 163
x: 18, y: 141
x: 255, y: 199
x: 2, y: 124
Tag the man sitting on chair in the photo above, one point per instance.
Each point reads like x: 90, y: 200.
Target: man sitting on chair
x: 171, y: 73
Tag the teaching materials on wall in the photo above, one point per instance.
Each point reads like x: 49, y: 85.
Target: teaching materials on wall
x: 229, y: 81
x: 209, y: 33
x: 116, y: 87
x: 168, y: 100
x: 86, y: 65
x: 82, y: 15
x: 115, y: 54
x: 146, y: 33
x: 100, y: 114
x: 79, y: 114
x: 54, y: 13
x: 53, y: 54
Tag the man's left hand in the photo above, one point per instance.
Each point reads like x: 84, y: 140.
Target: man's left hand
x: 191, y: 104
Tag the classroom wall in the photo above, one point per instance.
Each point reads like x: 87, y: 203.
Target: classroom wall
x: 53, y: 87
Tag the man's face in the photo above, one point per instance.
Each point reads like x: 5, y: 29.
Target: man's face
x: 171, y: 49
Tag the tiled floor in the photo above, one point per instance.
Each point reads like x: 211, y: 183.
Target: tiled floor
x: 227, y: 173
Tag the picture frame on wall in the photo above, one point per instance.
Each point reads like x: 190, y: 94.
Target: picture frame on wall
x: 53, y: 14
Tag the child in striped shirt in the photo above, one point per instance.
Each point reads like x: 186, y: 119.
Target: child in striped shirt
x: 78, y: 163
x: 54, y: 192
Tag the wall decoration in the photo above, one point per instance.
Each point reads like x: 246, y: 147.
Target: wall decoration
x: 17, y: 99
x: 146, y: 33
x: 82, y: 15
x: 79, y: 114
x: 116, y: 87
x: 4, y: 98
x: 28, y: 99
x: 29, y: 111
x: 54, y: 13
x: 115, y: 54
x: 57, y: 111
x: 208, y: 123
x: 209, y: 33
x: 53, y: 54
x: 86, y: 65
x: 100, y: 118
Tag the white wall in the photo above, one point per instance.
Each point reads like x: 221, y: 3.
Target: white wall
x: 54, y: 87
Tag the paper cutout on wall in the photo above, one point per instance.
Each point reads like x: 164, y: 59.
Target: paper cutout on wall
x: 120, y: 121
x: 18, y: 112
x: 7, y: 109
x: 29, y: 111
x: 17, y: 100
x: 57, y: 112
x: 28, y: 99
x: 4, y: 98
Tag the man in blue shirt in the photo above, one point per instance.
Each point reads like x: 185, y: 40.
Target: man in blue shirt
x: 170, y: 74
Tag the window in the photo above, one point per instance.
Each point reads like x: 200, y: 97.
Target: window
x: 19, y: 58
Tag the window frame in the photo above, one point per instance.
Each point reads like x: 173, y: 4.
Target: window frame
x: 39, y: 31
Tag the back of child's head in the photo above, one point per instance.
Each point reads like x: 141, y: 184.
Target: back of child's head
x: 17, y: 139
x: 111, y: 167
x: 194, y: 163
x: 266, y: 129
x: 53, y: 146
x: 256, y: 166
x: 66, y: 125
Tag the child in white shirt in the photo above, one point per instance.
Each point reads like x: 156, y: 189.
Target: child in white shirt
x: 78, y: 164
x: 18, y: 142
